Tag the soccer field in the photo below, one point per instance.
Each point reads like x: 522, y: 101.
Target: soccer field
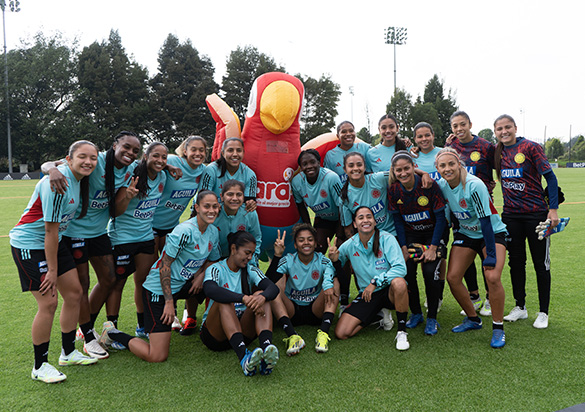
x: 538, y: 370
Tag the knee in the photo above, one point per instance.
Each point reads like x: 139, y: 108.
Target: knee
x: 158, y: 358
x: 49, y: 307
x: 399, y: 286
x: 340, y: 333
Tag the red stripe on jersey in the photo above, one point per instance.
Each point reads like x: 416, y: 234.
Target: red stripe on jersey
x: 34, y: 213
x: 493, y: 208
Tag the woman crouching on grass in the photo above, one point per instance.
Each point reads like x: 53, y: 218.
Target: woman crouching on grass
x: 177, y: 274
x: 235, y: 314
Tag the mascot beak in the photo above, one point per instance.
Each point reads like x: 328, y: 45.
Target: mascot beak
x: 279, y: 106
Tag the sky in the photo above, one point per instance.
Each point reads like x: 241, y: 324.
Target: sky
x: 523, y: 58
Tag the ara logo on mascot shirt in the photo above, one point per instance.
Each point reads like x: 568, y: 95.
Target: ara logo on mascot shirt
x: 272, y: 194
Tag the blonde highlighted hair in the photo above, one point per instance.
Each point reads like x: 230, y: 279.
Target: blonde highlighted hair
x: 453, y: 152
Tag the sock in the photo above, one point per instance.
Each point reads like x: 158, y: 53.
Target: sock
x: 68, y: 341
x: 238, y: 345
x: 265, y: 338
x: 474, y: 296
x: 401, y: 316
x: 287, y: 326
x: 87, y: 330
x: 441, y: 288
x: 140, y: 317
x: 327, y: 321
x: 498, y: 325
x: 92, y: 319
x: 344, y: 300
x: 41, y: 354
x: 121, y: 337
x: 114, y: 319
x: 475, y: 319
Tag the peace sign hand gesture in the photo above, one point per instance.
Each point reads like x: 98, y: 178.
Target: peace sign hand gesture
x: 332, y: 250
x: 279, y: 244
x: 132, y: 191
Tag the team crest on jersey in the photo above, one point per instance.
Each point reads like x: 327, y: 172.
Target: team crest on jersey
x: 463, y: 203
x: 380, y: 253
x: 209, y: 247
x: 323, y: 193
x: 400, y: 202
x: 127, y: 176
x: 375, y: 193
x: 197, y: 179
x: 240, y: 227
x: 315, y: 275
x: 423, y: 201
x: 160, y: 187
x: 519, y: 158
x: 475, y: 156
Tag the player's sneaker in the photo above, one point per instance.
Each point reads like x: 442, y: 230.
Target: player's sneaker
x: 176, y: 326
x: 486, y: 309
x: 95, y: 350
x: 47, y: 373
x: 516, y: 313
x: 414, y: 320
x: 432, y: 327
x: 294, y: 344
x: 79, y: 334
x: 498, y: 339
x: 118, y: 346
x: 541, y: 321
x: 387, y: 322
x: 251, y: 361
x: 104, y: 339
x: 467, y: 324
x: 402, y: 341
x: 140, y: 333
x: 269, y: 359
x: 76, y: 358
x: 321, y: 342
x: 189, y: 327
x: 476, y: 305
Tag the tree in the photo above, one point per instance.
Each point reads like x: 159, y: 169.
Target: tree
x: 113, y: 90
x: 487, y: 134
x: 243, y: 66
x: 445, y: 106
x: 365, y: 135
x: 320, y: 106
x: 401, y: 107
x: 179, y: 90
x: 426, y: 112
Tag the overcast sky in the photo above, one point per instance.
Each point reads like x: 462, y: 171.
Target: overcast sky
x: 524, y: 58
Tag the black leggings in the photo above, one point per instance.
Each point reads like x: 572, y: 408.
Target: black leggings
x: 521, y: 228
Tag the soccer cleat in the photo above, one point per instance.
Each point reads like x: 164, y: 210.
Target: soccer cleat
x: 79, y: 334
x: 118, y: 346
x: 140, y: 333
x: 432, y: 327
x: 294, y: 344
x: 402, y: 341
x: 467, y: 324
x: 189, y: 327
x: 477, y: 303
x: 76, y: 358
x: 95, y: 350
x: 321, y: 342
x: 47, y: 373
x: 486, y: 309
x: 387, y: 322
x: 250, y: 361
x: 269, y: 359
x: 498, y: 339
x: 341, y: 309
x: 516, y: 313
x: 176, y: 326
x: 104, y: 339
x: 541, y: 321
x: 414, y: 320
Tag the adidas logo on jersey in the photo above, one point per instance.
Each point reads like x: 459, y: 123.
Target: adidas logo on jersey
x: 226, y: 285
x: 356, y: 254
x: 355, y: 204
x: 196, y: 247
x: 338, y: 164
x: 72, y: 201
x: 307, y: 195
x: 378, y: 160
x: 295, y: 277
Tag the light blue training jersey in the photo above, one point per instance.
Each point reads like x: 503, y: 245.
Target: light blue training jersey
x: 305, y: 282
x: 242, y: 220
x: 323, y: 197
x: 95, y: 222
x: 334, y: 158
x: 191, y: 249
x: 135, y: 224
x: 177, y: 193
x: 380, y: 157
x: 470, y: 204
x: 426, y: 163
x: 221, y: 274
x: 387, y: 265
x: 46, y: 206
x: 212, y: 181
x: 373, y: 194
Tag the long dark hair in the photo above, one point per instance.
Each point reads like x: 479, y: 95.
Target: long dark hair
x: 500, y: 146
x: 239, y: 239
x: 376, y: 243
x: 221, y: 162
x: 110, y: 177
x: 198, y: 199
x: 84, y: 182
x: 398, y: 143
x: 346, y: 184
x: 141, y: 170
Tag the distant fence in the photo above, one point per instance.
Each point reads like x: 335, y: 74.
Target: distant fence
x: 576, y: 164
x: 20, y: 176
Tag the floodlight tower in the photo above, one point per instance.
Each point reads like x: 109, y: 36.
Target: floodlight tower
x: 395, y: 36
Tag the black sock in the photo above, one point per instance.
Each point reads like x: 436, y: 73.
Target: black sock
x: 121, y: 337
x: 140, y: 317
x: 93, y: 318
x: 68, y: 341
x: 238, y: 345
x: 287, y: 326
x: 498, y: 325
x: 401, y: 316
x: 327, y: 321
x: 475, y: 319
x: 441, y: 288
x: 87, y: 330
x: 113, y: 319
x: 344, y: 300
x: 474, y: 296
x: 41, y: 354
x: 265, y: 338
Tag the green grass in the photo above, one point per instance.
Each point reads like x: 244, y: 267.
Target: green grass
x: 538, y: 370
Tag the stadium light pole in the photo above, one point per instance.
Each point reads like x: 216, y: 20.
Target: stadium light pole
x: 14, y: 7
x: 395, y: 36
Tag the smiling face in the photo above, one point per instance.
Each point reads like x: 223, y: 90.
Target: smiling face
x: 207, y: 209
x: 424, y: 139
x: 305, y: 243
x: 346, y: 134
x: 126, y: 150
x: 310, y: 166
x: 461, y: 128
x: 404, y: 172
x: 388, y: 131
x: 195, y: 153
x: 241, y: 256
x: 232, y: 199
x: 156, y: 160
x: 233, y: 153
x: 450, y: 169
x: 83, y: 160
x: 354, y: 167
x: 364, y: 221
x: 505, y: 131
